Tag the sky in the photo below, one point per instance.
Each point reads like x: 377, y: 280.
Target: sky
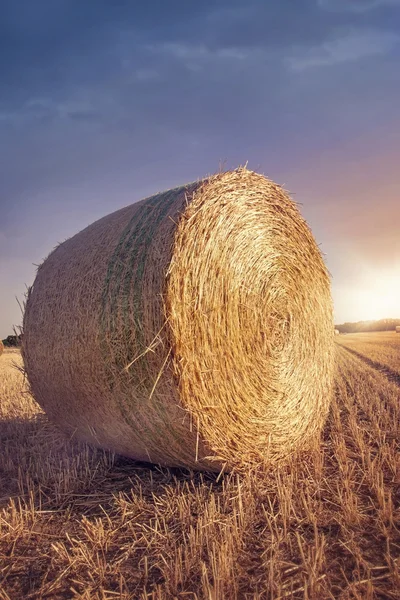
x: 103, y: 103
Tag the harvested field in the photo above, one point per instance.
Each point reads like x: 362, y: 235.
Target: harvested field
x: 82, y: 523
x: 380, y: 350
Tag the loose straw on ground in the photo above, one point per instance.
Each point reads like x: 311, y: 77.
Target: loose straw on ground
x: 193, y: 328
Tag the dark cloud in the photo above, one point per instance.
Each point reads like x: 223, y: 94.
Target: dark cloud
x: 51, y: 45
x: 356, y: 6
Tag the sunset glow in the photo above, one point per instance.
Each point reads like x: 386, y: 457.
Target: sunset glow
x: 376, y: 297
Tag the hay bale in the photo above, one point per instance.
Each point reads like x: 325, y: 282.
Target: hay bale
x: 337, y: 332
x: 397, y: 328
x: 193, y: 328
x: 1, y: 347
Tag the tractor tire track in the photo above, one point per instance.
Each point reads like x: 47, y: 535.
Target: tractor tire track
x: 389, y: 373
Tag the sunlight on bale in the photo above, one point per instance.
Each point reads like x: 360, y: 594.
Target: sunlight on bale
x: 193, y: 328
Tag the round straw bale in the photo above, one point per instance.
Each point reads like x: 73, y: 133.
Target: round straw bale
x: 193, y: 328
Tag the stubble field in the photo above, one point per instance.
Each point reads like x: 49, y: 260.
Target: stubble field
x: 80, y: 523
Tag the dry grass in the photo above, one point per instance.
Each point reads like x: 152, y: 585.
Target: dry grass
x: 380, y: 350
x: 196, y: 328
x: 81, y: 523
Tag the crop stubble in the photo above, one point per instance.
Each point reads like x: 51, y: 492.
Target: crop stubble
x: 81, y: 523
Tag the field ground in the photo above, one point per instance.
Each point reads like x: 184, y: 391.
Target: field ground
x: 80, y: 523
x: 379, y: 350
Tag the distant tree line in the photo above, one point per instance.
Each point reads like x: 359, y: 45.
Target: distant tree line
x: 12, y: 341
x: 360, y: 326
